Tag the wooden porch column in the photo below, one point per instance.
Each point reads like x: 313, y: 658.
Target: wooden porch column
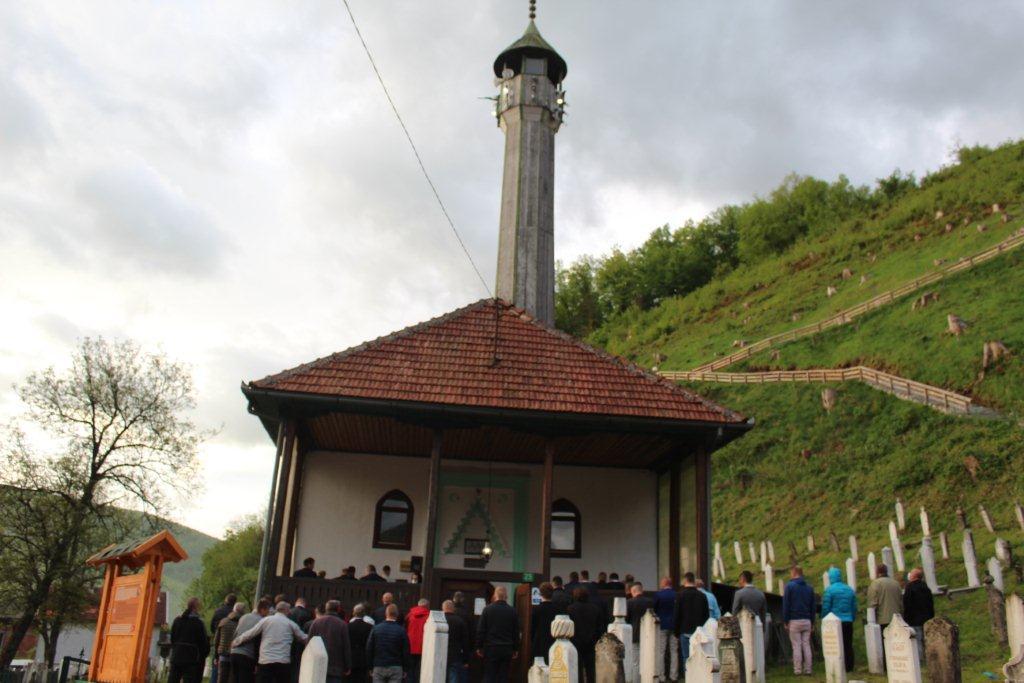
x: 280, y: 491
x: 295, y: 495
x: 673, y: 523
x: 433, y: 494
x: 703, y: 502
x: 545, y: 508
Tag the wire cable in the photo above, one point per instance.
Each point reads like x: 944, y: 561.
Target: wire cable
x: 415, y: 151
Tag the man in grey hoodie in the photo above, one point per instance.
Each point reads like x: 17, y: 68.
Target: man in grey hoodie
x: 243, y: 657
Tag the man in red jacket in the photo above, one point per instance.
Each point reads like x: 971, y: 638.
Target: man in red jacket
x: 415, y: 620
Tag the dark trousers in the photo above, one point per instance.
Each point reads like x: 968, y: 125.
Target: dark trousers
x: 243, y: 669
x: 587, y: 663
x: 414, y: 667
x: 274, y: 673
x: 358, y: 675
x: 848, y: 644
x: 497, y: 663
x: 189, y: 673
x: 223, y: 670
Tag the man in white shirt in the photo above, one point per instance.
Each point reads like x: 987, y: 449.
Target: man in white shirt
x: 276, y: 634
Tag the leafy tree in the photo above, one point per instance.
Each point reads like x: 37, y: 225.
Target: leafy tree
x: 109, y: 431
x: 231, y: 565
x: 577, y: 308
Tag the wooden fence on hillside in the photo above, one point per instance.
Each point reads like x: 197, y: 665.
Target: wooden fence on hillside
x: 848, y: 315
x: 907, y: 389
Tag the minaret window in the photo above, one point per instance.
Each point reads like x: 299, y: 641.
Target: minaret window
x: 534, y: 66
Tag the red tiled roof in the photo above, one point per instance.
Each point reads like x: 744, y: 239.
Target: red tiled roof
x: 450, y: 360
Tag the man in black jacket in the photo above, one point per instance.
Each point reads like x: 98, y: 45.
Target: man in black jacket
x: 691, y: 612
x: 541, y: 617
x: 918, y: 605
x: 189, y: 645
x: 459, y: 647
x: 358, y: 634
x: 636, y: 608
x: 560, y: 596
x: 497, y: 637
x: 371, y: 574
x: 379, y: 613
x: 588, y: 625
x: 308, y: 570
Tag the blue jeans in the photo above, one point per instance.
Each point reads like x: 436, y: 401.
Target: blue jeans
x: 684, y: 651
x: 457, y: 673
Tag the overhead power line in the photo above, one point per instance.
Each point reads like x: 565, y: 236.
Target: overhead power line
x: 415, y: 151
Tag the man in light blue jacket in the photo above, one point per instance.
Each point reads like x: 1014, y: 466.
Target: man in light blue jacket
x: 840, y: 600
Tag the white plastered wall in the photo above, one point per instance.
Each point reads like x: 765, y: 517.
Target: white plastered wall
x: 340, y: 492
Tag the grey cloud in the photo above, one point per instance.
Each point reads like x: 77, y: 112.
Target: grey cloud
x: 138, y: 220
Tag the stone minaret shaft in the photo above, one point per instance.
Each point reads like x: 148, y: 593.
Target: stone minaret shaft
x: 529, y: 109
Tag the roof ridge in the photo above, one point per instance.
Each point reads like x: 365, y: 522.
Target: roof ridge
x: 391, y: 336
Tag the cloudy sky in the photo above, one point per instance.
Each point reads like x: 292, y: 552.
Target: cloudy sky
x: 224, y: 180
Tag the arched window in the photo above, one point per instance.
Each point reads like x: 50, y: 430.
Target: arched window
x: 392, y: 525
x: 565, y: 529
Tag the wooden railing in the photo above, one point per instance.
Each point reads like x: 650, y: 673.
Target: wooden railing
x: 848, y: 315
x: 319, y: 591
x: 908, y: 389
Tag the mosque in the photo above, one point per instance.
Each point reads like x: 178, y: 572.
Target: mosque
x: 485, y: 447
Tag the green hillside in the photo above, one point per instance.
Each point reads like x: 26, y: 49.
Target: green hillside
x: 805, y: 470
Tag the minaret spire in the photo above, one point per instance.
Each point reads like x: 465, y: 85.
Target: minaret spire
x: 530, y: 108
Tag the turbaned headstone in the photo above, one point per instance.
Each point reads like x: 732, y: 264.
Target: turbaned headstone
x: 942, y: 651
x: 563, y: 660
x: 624, y: 632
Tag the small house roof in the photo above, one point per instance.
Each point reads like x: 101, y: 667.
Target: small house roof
x: 134, y: 553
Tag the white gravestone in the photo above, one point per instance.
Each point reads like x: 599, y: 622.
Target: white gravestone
x: 897, y: 549
x: 764, y: 555
x: 759, y: 653
x: 753, y: 553
x: 771, y: 552
x: 986, y: 519
x: 721, y: 568
x: 851, y: 573
x: 747, y: 636
x: 538, y: 672
x: 718, y: 549
x: 624, y: 632
x: 434, y: 662
x: 888, y: 561
x: 873, y: 644
x: 970, y: 561
x: 825, y: 581
x: 872, y: 567
x: 769, y: 578
x: 926, y: 527
x: 928, y: 564
x: 313, y: 665
x: 711, y: 628
x: 1003, y: 550
x: 1015, y: 623
x: 944, y: 544
x: 737, y: 549
x: 782, y: 587
x: 995, y: 570
x: 853, y: 548
x: 649, y: 669
x: 563, y: 660
x: 1018, y: 510
x: 901, y: 517
x: 902, y: 661
x: 832, y: 649
x: 810, y: 542
x: 702, y: 664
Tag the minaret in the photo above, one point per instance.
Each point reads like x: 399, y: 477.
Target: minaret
x: 530, y: 106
